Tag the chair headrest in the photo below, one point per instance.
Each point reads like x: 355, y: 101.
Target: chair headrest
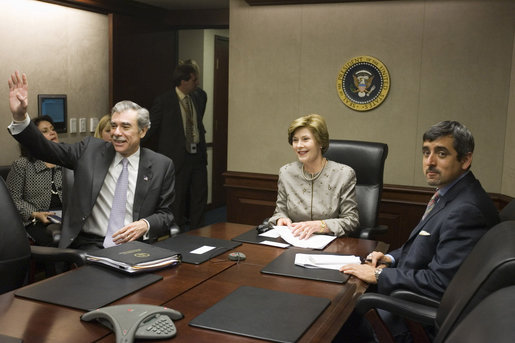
x: 366, y: 158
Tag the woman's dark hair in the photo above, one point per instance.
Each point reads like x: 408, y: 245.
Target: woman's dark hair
x: 23, y: 151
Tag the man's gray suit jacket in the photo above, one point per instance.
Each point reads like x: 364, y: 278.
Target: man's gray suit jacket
x: 90, y: 160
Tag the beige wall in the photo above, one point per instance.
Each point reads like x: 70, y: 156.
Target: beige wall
x: 446, y: 59
x: 508, y: 178
x: 62, y: 51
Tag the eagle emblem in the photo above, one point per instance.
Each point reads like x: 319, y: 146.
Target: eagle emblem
x: 362, y: 81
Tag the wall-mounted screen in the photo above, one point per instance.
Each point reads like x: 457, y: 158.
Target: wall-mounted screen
x: 54, y: 105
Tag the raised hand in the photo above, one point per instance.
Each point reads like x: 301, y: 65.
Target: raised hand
x: 18, y: 95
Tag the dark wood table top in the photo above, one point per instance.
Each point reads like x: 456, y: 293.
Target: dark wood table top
x: 192, y: 289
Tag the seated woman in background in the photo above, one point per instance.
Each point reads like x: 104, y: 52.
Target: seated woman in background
x: 315, y: 196
x: 36, y: 188
x: 103, y: 129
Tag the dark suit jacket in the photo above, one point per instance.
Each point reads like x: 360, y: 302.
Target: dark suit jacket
x: 426, y: 263
x: 166, y: 133
x: 90, y: 159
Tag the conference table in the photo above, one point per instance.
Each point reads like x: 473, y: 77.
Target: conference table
x: 192, y: 289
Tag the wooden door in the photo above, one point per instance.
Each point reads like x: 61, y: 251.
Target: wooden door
x: 220, y: 119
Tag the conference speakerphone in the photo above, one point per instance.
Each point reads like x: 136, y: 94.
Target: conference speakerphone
x: 136, y: 321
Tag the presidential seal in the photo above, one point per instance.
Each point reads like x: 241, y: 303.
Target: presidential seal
x: 363, y: 83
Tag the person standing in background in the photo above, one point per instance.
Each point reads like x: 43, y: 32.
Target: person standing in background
x: 178, y: 132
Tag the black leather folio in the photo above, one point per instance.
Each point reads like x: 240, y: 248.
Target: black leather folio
x: 263, y: 313
x: 185, y: 244
x: 284, y: 265
x: 253, y: 237
x: 87, y: 288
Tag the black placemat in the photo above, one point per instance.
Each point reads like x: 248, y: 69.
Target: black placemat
x: 263, y: 314
x: 284, y: 265
x: 185, y: 243
x: 87, y: 288
x: 252, y: 236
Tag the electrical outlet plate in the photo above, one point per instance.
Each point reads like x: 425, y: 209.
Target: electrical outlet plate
x: 82, y: 125
x: 73, y: 125
x: 93, y: 122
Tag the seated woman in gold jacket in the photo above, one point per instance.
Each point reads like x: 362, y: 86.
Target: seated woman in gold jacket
x: 315, y: 195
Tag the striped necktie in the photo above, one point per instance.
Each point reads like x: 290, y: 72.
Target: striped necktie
x: 118, y: 208
x: 431, y: 204
x: 189, y: 130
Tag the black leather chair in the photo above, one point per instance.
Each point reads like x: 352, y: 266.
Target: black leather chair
x: 68, y: 181
x: 508, y: 212
x: 14, y: 245
x: 16, y: 252
x: 4, y: 171
x: 490, y: 321
x: 367, y: 159
x: 490, y: 266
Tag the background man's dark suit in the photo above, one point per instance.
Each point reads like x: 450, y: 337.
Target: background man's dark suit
x: 438, y: 245
x: 90, y: 159
x: 166, y: 136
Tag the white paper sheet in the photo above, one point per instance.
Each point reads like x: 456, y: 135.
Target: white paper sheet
x: 275, y: 244
x: 202, y: 250
x: 273, y: 233
x: 313, y: 242
x: 323, y: 261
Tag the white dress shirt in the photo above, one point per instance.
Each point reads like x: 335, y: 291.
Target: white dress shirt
x: 99, y: 219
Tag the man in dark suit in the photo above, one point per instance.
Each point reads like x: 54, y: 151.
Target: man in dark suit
x: 146, y: 210
x: 178, y: 132
x: 455, y: 219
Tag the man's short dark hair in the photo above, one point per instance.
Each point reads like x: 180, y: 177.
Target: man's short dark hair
x: 463, y: 139
x: 182, y: 73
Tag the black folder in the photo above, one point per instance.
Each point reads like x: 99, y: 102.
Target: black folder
x: 284, y: 265
x: 263, y: 314
x: 185, y: 243
x: 252, y: 236
x: 87, y: 288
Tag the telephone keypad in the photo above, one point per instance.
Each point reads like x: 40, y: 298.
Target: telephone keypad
x: 158, y: 326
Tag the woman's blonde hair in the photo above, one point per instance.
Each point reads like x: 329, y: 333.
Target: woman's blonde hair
x: 102, y: 123
x: 316, y: 124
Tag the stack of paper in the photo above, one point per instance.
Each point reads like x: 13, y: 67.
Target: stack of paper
x: 324, y: 261
x: 313, y: 242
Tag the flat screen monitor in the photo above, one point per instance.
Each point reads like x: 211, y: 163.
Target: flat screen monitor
x: 54, y: 105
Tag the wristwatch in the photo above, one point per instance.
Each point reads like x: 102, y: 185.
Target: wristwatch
x: 378, y: 272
